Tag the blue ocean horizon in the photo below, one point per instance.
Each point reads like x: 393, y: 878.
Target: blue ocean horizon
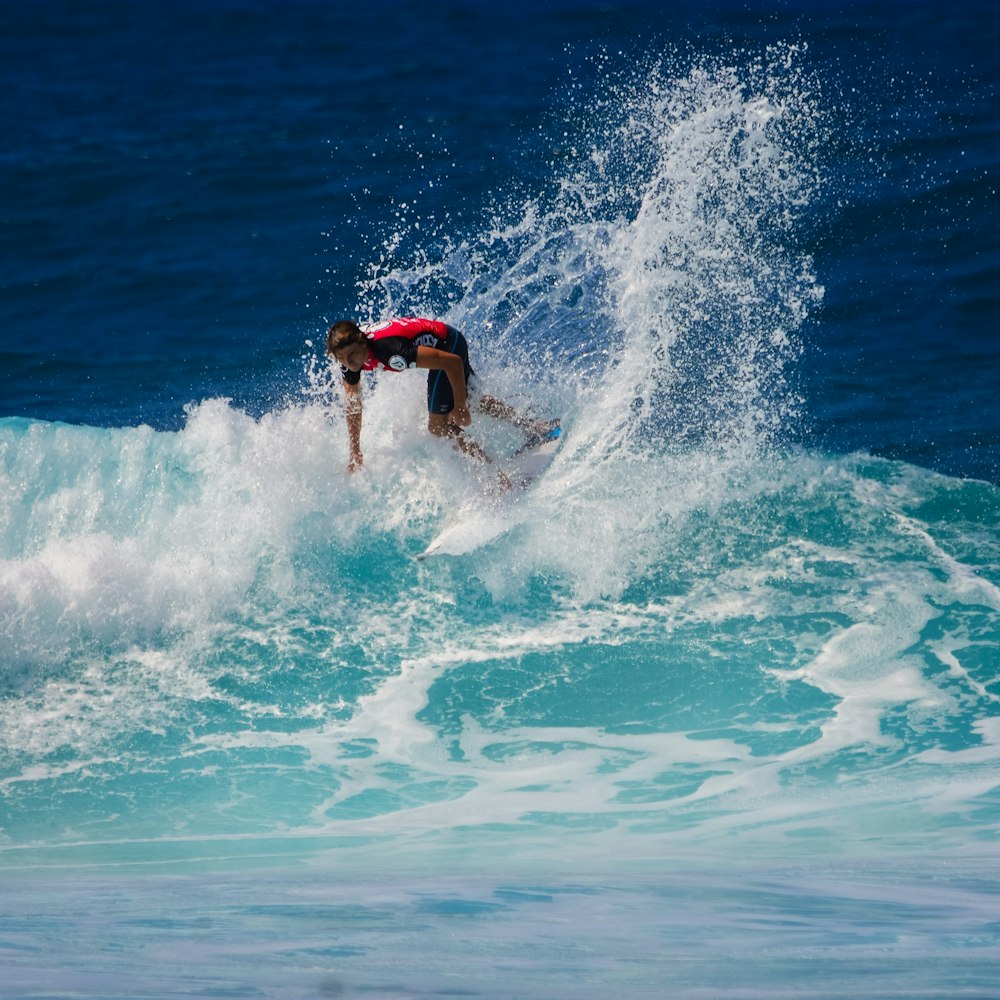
x: 716, y: 714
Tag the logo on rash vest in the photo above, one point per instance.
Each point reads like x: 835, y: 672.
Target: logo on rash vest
x: 397, y: 363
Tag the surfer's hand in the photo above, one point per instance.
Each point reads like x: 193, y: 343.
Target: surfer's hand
x: 355, y: 462
x: 461, y: 416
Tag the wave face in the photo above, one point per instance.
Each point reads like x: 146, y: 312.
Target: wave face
x: 694, y: 639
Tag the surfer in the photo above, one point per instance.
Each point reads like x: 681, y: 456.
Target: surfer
x: 401, y: 344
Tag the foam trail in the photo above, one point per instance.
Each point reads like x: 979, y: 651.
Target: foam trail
x: 653, y: 298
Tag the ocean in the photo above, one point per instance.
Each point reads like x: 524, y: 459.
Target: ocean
x: 716, y: 715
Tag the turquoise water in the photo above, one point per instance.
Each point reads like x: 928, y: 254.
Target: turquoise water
x: 717, y: 714
x: 680, y: 651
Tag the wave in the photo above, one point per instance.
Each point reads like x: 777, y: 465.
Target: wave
x: 804, y: 653
x: 696, y: 632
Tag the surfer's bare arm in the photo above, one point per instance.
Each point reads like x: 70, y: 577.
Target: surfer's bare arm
x: 451, y: 365
x: 352, y: 410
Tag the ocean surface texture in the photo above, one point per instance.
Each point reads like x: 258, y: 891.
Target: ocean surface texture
x: 717, y: 712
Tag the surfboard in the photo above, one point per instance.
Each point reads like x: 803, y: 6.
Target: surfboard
x: 533, y: 458
x: 471, y: 528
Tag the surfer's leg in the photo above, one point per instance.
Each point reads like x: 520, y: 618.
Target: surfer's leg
x: 535, y: 430
x: 440, y: 426
x: 494, y: 407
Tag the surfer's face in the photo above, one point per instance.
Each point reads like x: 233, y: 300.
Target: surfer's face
x: 353, y: 357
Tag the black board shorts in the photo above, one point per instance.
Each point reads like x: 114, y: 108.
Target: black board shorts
x: 440, y: 398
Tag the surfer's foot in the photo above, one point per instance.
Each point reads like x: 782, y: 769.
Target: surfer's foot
x: 503, y: 481
x: 541, y: 430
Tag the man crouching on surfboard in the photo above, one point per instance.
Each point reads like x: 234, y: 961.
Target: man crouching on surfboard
x: 400, y: 344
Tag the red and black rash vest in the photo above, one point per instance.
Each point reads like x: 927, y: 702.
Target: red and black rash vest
x: 392, y: 346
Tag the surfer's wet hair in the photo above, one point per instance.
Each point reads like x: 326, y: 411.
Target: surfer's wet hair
x: 343, y: 334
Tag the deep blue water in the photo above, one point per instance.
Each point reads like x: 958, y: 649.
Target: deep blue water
x: 717, y: 714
